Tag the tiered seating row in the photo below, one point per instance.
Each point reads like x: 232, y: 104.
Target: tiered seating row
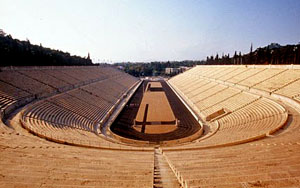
x: 211, y: 97
x: 282, y: 80
x: 91, y: 98
x: 193, y: 86
x: 256, y: 119
x: 5, y: 101
x: 44, y: 78
x: 84, y: 108
x: 219, y: 72
x: 272, y: 162
x: 59, y: 132
x: 231, y: 73
x: 265, y: 78
x: 20, y: 85
x: 48, y: 80
x: 182, y: 80
x: 241, y: 116
x: 232, y: 103
x: 93, y: 106
x: 279, y: 81
x: 53, y: 113
x: 9, y: 91
x: 205, y: 91
x: 109, y: 90
x: 72, y: 115
x: 27, y: 161
x: 251, y: 122
x: 216, y: 98
x: 25, y: 83
x: 291, y: 90
x: 239, y: 166
x: 249, y: 73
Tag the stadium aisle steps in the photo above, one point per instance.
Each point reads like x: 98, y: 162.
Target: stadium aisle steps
x: 163, y: 175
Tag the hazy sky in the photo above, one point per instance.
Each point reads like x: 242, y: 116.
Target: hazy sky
x: 148, y: 30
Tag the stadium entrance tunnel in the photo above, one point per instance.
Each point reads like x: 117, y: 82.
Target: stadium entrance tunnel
x: 155, y: 115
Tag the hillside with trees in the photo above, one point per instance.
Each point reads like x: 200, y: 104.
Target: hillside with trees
x: 14, y: 52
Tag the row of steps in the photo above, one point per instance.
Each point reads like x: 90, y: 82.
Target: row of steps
x: 163, y: 176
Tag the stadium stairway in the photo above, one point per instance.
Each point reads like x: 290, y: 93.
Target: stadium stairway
x: 163, y: 176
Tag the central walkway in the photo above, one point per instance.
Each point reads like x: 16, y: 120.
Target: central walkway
x: 163, y: 175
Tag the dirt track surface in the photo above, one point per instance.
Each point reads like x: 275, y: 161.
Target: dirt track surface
x: 124, y: 123
x: 159, y: 109
x: 156, y: 129
x: 155, y: 84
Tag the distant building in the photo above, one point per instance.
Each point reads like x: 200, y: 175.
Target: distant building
x: 120, y: 67
x: 172, y: 71
x: 183, y: 68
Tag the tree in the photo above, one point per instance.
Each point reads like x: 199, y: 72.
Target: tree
x: 2, y: 33
x: 235, y: 58
x: 217, y: 57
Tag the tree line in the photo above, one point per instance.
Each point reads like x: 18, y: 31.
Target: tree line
x: 14, y: 52
x: 271, y: 54
x: 153, y: 68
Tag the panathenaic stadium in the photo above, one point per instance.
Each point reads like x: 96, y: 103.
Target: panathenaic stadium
x: 231, y: 126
